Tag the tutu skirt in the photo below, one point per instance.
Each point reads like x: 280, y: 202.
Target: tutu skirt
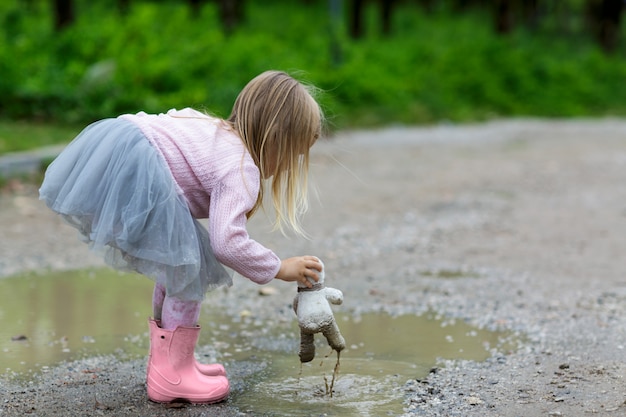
x: 114, y: 186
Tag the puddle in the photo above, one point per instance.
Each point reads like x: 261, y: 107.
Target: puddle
x: 382, y: 353
x: 69, y: 315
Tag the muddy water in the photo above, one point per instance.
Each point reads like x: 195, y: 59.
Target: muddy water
x: 66, y: 316
x: 383, y: 353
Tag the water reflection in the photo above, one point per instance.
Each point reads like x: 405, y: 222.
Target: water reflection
x: 66, y: 315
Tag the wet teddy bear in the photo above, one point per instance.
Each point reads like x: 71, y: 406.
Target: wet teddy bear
x: 312, y: 307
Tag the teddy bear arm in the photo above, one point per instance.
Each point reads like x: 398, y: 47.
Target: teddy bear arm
x: 334, y: 295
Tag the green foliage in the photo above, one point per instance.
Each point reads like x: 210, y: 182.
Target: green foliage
x: 439, y: 66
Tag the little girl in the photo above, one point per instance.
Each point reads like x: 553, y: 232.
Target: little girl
x: 134, y: 186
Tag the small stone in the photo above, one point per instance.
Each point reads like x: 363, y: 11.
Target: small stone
x: 473, y: 400
x: 265, y: 291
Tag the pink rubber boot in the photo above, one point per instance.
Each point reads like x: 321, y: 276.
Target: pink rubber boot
x: 211, y: 369
x: 172, y: 372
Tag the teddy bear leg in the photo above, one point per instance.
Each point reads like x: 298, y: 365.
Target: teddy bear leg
x: 334, y: 337
x: 307, y: 346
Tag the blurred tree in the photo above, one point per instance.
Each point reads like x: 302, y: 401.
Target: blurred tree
x: 195, y: 6
x: 63, y: 13
x: 123, y: 6
x: 465, y: 4
x: 334, y: 11
x: 530, y: 11
x: 231, y: 14
x: 427, y: 5
x: 386, y: 6
x: 508, y: 13
x: 604, y: 18
x: 356, y: 17
x: 503, y: 15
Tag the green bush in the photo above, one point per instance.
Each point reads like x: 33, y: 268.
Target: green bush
x: 439, y: 66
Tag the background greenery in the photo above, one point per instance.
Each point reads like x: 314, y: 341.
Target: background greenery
x: 440, y: 65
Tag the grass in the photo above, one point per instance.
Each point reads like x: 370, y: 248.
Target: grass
x: 17, y: 136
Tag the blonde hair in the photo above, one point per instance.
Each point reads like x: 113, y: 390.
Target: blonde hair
x: 278, y: 120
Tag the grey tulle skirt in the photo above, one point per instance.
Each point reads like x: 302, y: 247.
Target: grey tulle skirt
x: 112, y: 185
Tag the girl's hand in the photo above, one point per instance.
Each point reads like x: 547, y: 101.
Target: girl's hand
x: 301, y: 269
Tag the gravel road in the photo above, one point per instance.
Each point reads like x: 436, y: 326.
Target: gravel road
x: 531, y: 212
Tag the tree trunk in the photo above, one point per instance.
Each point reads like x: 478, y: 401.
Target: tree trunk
x: 503, y: 16
x: 63, y: 14
x: 386, y: 6
x: 195, y: 6
x: 356, y: 19
x: 428, y: 5
x: 231, y: 14
x: 531, y: 13
x: 605, y: 18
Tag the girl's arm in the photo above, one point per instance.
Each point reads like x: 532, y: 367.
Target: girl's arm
x: 230, y: 201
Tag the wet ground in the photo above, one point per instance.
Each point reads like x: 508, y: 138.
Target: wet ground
x: 40, y: 331
x: 513, y: 226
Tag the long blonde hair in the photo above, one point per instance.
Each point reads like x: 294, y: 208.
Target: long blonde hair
x: 278, y: 120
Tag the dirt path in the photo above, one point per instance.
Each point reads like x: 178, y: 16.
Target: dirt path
x: 530, y: 215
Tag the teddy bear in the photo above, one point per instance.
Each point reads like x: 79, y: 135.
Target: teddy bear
x: 312, y: 307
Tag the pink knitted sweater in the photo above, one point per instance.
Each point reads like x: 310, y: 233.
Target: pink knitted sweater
x: 218, y: 178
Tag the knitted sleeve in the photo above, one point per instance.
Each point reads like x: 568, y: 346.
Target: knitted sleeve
x: 230, y: 200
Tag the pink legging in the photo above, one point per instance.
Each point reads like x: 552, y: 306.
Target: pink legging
x: 172, y: 311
